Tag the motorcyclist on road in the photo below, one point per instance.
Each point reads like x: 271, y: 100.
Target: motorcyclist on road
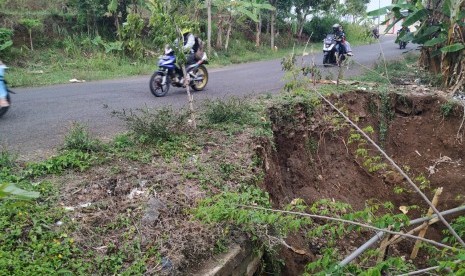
x: 3, y: 92
x: 190, y: 47
x: 340, y: 37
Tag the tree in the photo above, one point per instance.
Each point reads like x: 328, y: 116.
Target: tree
x: 30, y: 25
x: 356, y: 8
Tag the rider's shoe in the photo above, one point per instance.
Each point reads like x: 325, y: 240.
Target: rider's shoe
x: 350, y: 54
x: 4, y: 103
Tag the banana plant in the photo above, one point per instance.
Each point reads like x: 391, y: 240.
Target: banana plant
x: 10, y: 190
x: 440, y: 30
x: 5, y: 39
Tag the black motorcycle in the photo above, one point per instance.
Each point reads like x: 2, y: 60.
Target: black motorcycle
x: 332, y: 51
x: 168, y: 74
x: 4, y: 109
x: 375, y: 33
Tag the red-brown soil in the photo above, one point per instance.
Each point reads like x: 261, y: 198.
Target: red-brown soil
x: 312, y: 158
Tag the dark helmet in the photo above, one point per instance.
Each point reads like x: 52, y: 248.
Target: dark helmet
x: 336, y: 27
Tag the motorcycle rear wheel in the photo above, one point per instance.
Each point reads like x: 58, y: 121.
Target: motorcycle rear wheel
x: 201, y: 72
x: 3, y: 110
x: 156, y: 87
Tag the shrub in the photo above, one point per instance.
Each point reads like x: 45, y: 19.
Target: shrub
x: 79, y: 139
x: 154, y: 126
x: 233, y: 110
x: 5, y: 40
x: 357, y: 33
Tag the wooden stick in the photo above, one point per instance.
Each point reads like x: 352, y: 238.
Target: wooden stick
x: 383, y: 247
x: 423, y: 231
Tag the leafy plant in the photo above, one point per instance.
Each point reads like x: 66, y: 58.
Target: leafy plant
x: 131, y: 33
x: 153, y: 126
x: 30, y: 25
x: 80, y: 139
x: 5, y: 39
x: 233, y: 110
x: 70, y: 159
x: 447, y: 108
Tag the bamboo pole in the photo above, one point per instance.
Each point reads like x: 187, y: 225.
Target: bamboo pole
x: 380, y: 235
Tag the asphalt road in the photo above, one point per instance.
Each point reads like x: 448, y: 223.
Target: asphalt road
x: 40, y: 117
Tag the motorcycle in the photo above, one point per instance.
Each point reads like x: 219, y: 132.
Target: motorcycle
x: 169, y: 74
x: 375, y: 32
x: 4, y: 109
x: 331, y: 55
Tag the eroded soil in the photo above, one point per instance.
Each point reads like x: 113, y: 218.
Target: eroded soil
x: 314, y: 159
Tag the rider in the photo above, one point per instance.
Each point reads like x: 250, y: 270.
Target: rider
x: 404, y: 29
x: 190, y: 47
x: 3, y: 92
x: 341, y: 37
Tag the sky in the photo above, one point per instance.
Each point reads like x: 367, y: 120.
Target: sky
x: 376, y: 4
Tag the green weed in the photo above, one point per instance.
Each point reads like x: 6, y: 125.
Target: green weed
x: 7, y: 159
x: 230, y: 111
x: 149, y: 127
x: 79, y: 139
x: 447, y: 108
x: 70, y: 159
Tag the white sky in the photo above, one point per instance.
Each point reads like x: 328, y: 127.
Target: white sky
x: 376, y: 4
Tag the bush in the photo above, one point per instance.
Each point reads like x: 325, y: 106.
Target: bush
x: 79, y: 139
x: 233, y: 110
x: 5, y: 40
x: 357, y: 34
x: 154, y: 126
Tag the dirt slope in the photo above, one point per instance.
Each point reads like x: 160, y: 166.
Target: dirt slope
x: 314, y: 159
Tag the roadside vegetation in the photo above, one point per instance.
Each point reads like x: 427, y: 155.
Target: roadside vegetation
x: 53, y: 42
x: 138, y: 203
x: 163, y: 197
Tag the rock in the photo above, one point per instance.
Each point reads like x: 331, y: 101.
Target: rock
x: 166, y: 264
x: 154, y: 206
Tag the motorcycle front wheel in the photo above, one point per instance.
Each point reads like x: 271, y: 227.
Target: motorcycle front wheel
x: 3, y: 110
x: 157, y: 87
x: 200, y: 80
x: 326, y: 60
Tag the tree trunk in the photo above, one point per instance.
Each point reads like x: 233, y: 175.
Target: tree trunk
x: 258, y: 26
x: 30, y: 39
x: 209, y: 27
x: 272, y: 23
x: 228, y: 34
x: 219, y: 37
